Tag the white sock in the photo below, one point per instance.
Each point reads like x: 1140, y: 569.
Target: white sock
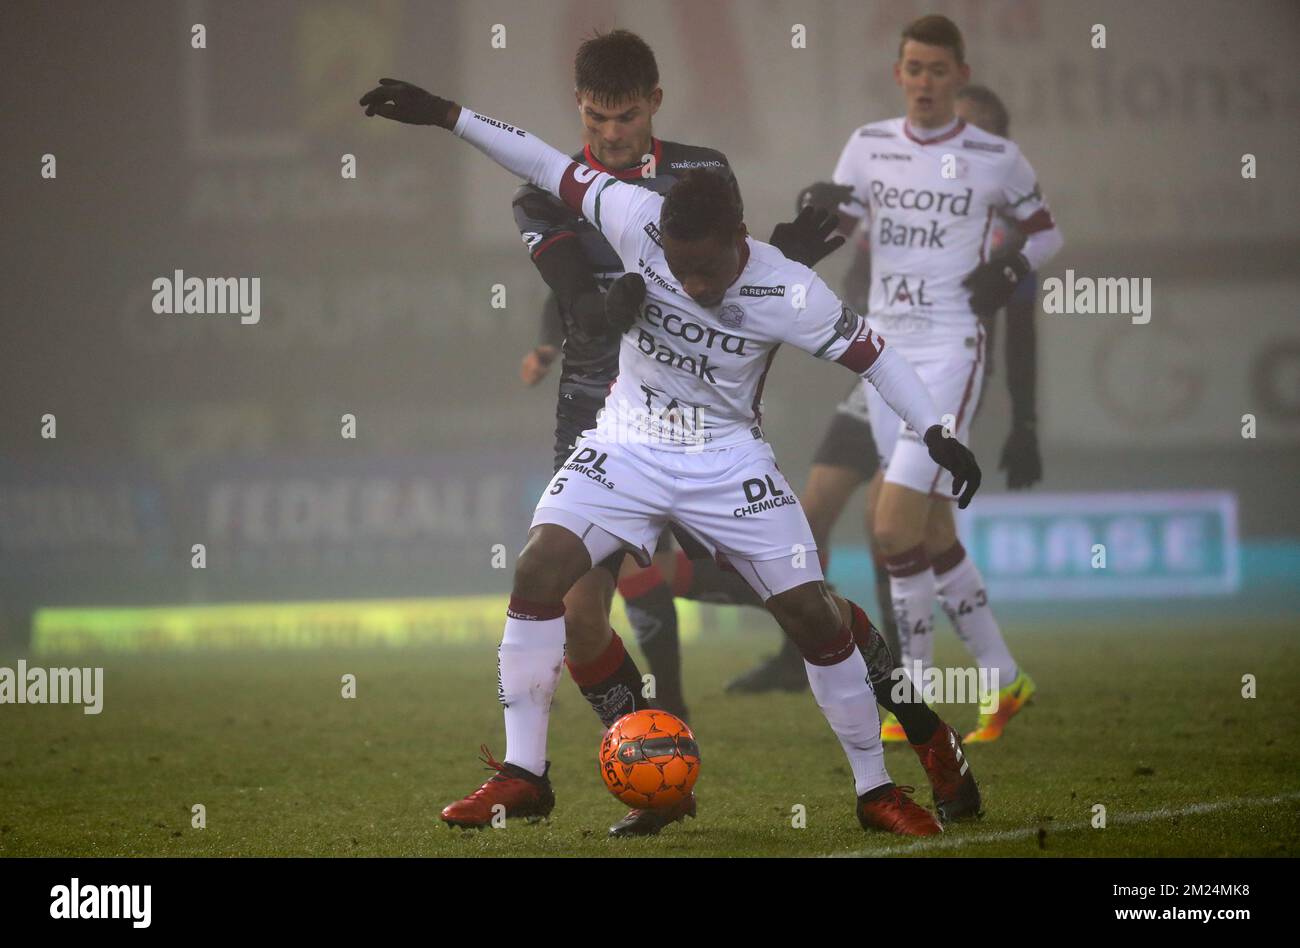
x: 849, y: 704
x: 912, y: 589
x: 961, y: 591
x: 528, y: 670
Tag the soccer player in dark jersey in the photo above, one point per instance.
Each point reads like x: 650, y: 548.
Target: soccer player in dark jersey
x: 847, y: 458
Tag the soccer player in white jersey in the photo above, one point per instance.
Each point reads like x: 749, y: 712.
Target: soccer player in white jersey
x: 681, y: 440
x: 931, y: 186
x: 847, y: 457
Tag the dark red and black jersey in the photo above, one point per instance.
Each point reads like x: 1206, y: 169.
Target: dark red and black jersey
x: 545, y: 222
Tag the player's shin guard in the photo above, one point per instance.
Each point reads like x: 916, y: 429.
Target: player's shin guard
x: 962, y: 594
x: 703, y: 580
x: 838, y: 676
x: 528, y: 669
x: 650, y: 610
x: 894, y: 691
x: 912, y: 589
x: 611, y: 682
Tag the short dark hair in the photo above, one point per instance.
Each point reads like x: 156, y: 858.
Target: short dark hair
x: 702, y: 203
x: 986, y: 98
x: 614, y: 67
x: 935, y: 30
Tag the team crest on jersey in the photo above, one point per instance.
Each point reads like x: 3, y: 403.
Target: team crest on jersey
x: 847, y: 323
x: 731, y: 315
x: 961, y: 167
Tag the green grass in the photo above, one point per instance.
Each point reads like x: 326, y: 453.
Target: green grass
x: 1140, y: 720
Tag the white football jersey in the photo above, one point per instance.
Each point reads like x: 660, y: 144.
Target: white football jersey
x: 691, y: 376
x: 932, y: 209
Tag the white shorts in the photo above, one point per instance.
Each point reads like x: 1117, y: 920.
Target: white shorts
x: 954, y: 375
x: 735, y: 501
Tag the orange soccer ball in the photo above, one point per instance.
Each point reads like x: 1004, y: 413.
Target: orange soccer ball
x: 649, y: 759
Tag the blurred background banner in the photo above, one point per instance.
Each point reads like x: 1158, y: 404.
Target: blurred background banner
x: 404, y: 297
x: 371, y: 526
x: 1105, y: 546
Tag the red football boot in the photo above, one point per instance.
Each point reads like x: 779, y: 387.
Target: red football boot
x: 956, y: 795
x: 520, y: 792
x: 894, y: 812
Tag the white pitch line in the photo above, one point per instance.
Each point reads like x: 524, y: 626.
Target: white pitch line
x: 1146, y: 816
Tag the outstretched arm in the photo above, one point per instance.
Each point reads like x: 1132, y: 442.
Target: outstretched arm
x: 512, y: 148
x: 830, y: 330
x: 610, y: 205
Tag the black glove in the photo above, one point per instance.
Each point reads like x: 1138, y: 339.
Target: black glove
x: 955, y: 458
x: 991, y: 284
x: 1020, y: 457
x: 404, y: 102
x: 805, y: 239
x: 824, y: 196
x: 623, y: 302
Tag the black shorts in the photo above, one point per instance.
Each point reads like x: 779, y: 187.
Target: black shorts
x: 575, y: 412
x: 848, y: 442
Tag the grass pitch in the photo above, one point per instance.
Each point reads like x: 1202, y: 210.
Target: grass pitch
x: 1148, y: 721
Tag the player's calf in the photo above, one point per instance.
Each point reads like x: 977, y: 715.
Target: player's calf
x: 598, y: 662
x: 648, y: 599
x: 528, y: 670
x: 809, y: 616
x: 839, y: 677
x: 956, y: 794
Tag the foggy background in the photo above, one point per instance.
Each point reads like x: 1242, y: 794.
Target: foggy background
x: 377, y: 292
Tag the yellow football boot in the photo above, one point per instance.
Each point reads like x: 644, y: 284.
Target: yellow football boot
x: 1010, y: 700
x: 891, y: 732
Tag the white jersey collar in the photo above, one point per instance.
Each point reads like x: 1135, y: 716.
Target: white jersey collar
x: 932, y: 135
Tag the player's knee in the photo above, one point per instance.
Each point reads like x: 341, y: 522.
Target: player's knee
x: 807, y: 614
x: 892, y: 536
x: 549, y: 564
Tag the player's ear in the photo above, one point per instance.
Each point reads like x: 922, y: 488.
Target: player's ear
x: 656, y: 100
x: 898, y: 72
x: 577, y: 97
x: 964, y: 72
